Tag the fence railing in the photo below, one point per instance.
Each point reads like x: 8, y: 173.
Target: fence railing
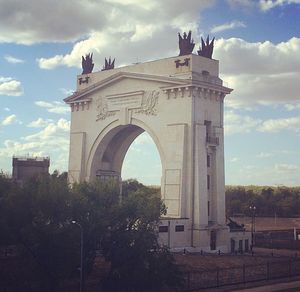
x: 196, y: 280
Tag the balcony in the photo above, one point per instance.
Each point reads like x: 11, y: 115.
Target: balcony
x: 212, y: 140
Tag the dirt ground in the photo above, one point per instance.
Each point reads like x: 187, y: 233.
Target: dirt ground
x: 269, y: 223
x: 212, y: 262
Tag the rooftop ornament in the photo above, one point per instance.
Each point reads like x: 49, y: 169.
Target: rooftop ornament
x: 87, y: 64
x: 109, y: 64
x: 207, y: 48
x: 186, y: 44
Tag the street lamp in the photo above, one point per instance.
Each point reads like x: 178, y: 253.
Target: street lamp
x: 252, y: 210
x: 81, y: 254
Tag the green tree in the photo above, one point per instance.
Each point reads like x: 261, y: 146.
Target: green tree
x: 37, y: 217
x: 138, y: 263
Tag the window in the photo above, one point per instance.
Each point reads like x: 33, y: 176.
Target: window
x: 240, y: 246
x: 213, y: 240
x: 163, y: 229
x: 246, y: 245
x: 208, y: 208
x: 208, y: 182
x: 208, y: 160
x: 179, y: 228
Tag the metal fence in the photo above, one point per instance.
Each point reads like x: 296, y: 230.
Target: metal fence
x: 241, y: 275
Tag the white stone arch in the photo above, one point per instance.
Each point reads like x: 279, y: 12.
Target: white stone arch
x: 106, y: 137
x: 178, y: 101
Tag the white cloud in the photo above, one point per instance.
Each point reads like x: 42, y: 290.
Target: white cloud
x: 266, y: 5
x: 47, y: 21
x: 143, y: 139
x: 134, y: 29
x: 61, y: 127
x: 274, y: 174
x: 10, y: 86
x: 235, y: 123
x: 260, y: 73
x: 282, y: 168
x: 262, y: 5
x: 13, y: 60
x: 291, y: 107
x: 56, y: 107
x: 39, y: 123
x: 7, y: 109
x: 36, y: 21
x: 12, y: 119
x: 51, y: 62
x: 234, y: 159
x: 66, y: 91
x: 52, y: 140
x: 277, y: 125
x: 227, y: 26
x: 264, y: 155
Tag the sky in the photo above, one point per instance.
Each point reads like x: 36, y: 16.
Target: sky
x: 257, y: 43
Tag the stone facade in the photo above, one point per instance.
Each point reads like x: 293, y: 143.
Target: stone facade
x: 26, y: 167
x: 179, y: 102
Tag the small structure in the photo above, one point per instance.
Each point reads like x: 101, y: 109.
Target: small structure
x: 109, y: 64
x: 206, y: 49
x: 87, y: 64
x: 186, y: 44
x: 239, y: 237
x: 26, y: 167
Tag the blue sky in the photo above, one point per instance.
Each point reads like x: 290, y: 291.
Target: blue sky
x: 257, y: 43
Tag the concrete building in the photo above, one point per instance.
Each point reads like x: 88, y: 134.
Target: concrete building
x: 26, y: 167
x: 179, y: 102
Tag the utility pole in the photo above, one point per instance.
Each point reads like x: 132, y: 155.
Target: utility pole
x: 252, y: 210
x: 81, y: 254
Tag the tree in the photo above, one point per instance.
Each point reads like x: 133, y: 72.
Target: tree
x: 37, y: 217
x: 138, y: 263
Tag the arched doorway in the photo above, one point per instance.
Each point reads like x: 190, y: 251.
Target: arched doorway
x: 108, y: 157
x: 142, y: 162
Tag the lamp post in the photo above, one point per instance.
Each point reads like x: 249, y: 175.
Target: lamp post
x: 252, y: 210
x: 81, y: 254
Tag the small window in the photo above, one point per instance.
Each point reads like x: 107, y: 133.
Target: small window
x: 208, y: 182
x: 179, y: 228
x: 208, y: 208
x: 163, y: 229
x: 240, y: 245
x: 246, y: 245
x: 208, y: 160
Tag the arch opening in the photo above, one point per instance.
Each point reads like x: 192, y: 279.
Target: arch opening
x: 128, y: 152
x: 142, y: 161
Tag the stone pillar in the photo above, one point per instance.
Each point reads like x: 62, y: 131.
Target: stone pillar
x: 173, y: 184
x: 77, y: 157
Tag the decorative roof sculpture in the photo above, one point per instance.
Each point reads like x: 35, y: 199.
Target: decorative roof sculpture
x: 186, y: 44
x: 109, y: 64
x: 87, y: 64
x: 207, y: 48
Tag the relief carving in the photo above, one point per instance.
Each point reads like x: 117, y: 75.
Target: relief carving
x: 102, y: 109
x: 139, y: 104
x: 150, y: 99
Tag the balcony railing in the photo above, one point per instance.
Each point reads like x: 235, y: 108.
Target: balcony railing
x: 212, y: 140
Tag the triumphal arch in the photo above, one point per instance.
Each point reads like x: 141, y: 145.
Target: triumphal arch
x: 178, y: 101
